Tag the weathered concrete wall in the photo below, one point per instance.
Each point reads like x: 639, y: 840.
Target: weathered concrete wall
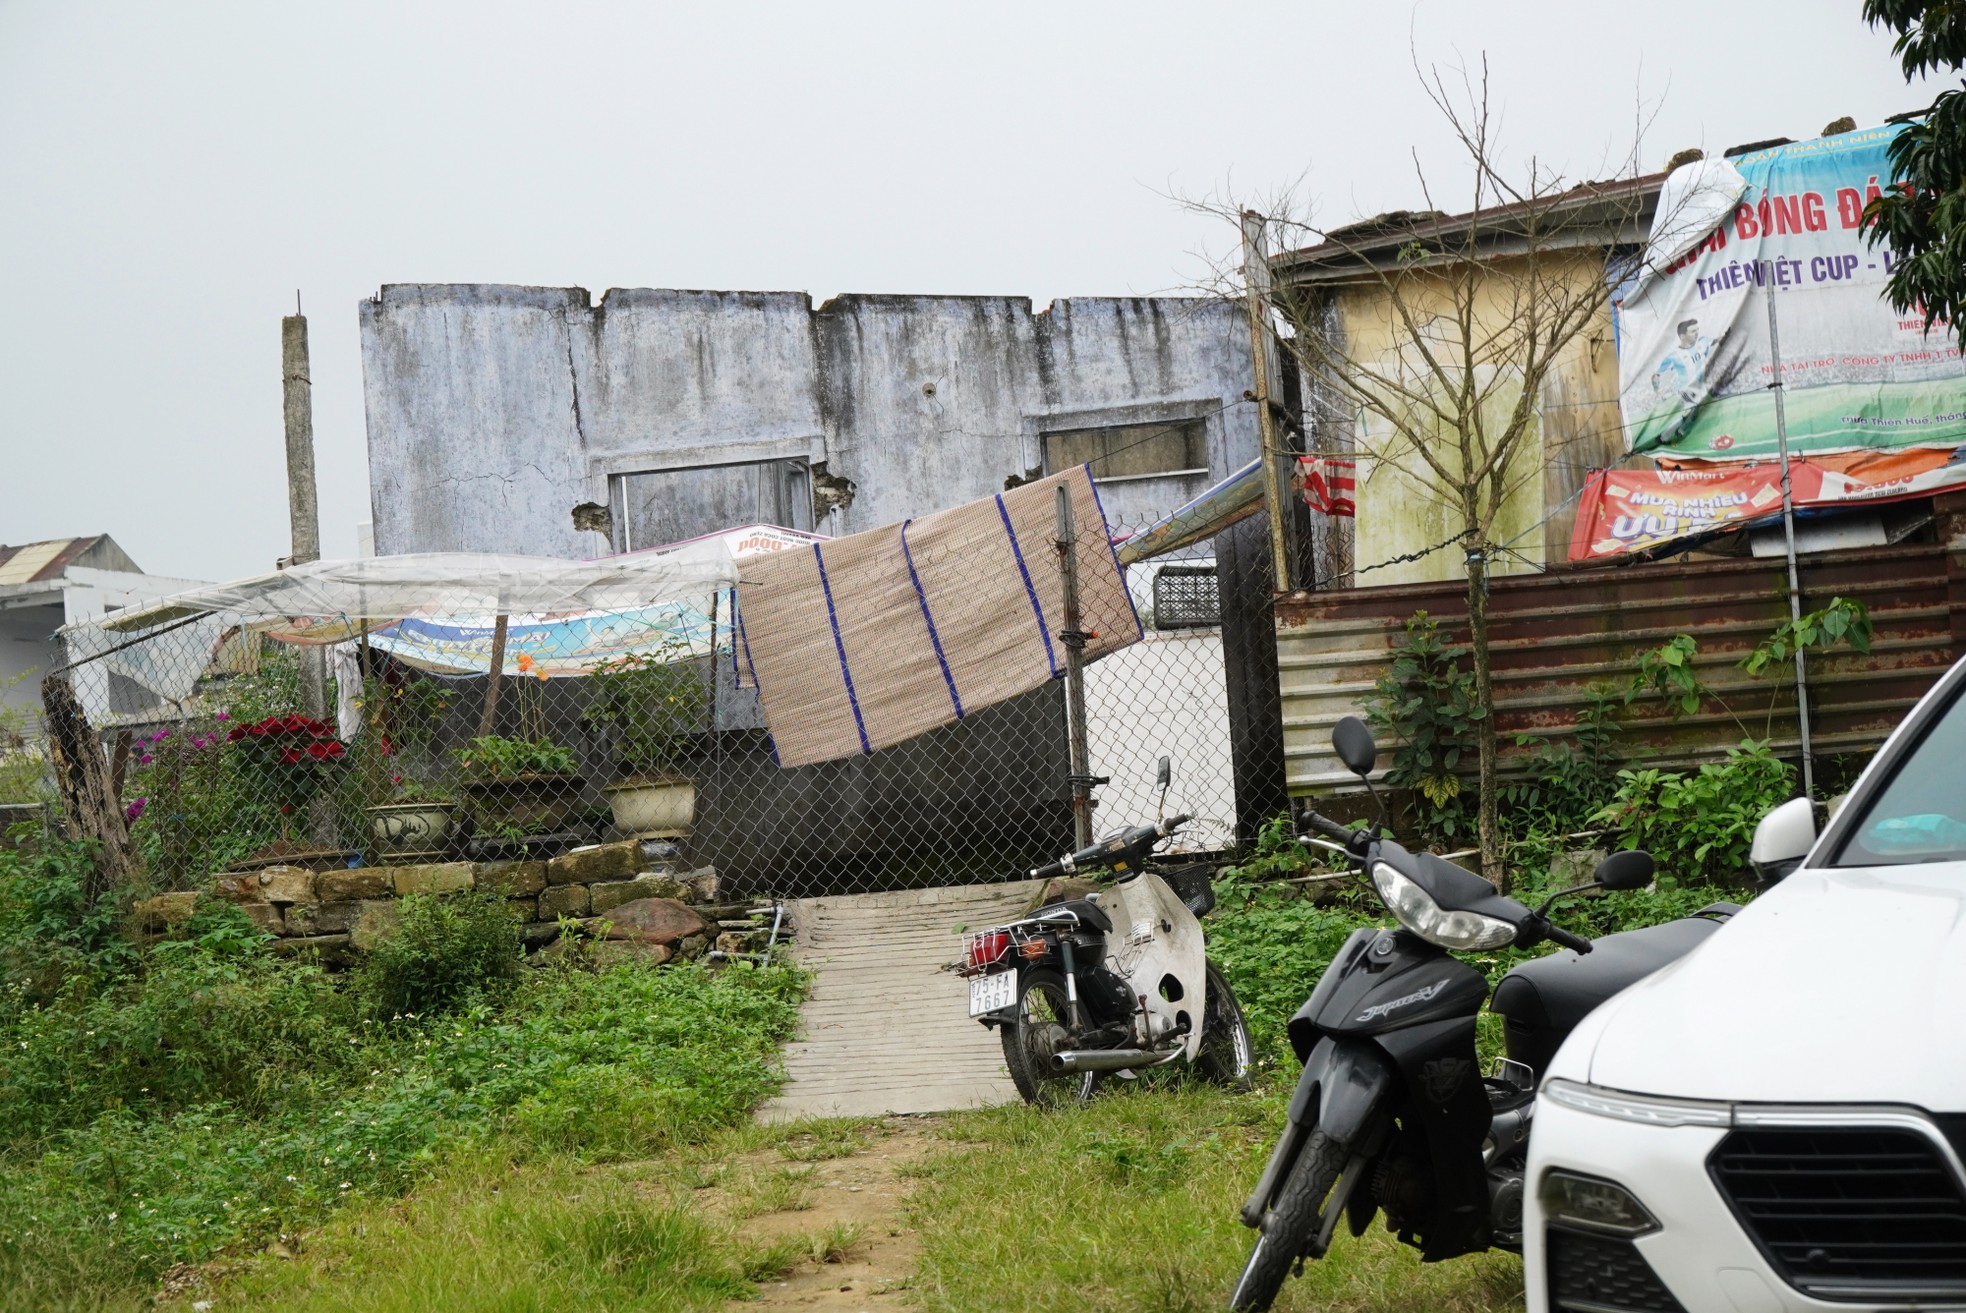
x: 494, y: 410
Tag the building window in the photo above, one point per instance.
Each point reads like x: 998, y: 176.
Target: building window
x: 654, y: 507
x: 1131, y: 451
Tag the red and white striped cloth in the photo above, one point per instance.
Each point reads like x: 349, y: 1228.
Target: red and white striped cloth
x: 1329, y: 483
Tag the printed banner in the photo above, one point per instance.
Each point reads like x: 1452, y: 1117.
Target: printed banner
x: 1694, y: 362
x: 1624, y: 511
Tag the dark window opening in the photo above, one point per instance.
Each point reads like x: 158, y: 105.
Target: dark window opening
x: 1131, y: 451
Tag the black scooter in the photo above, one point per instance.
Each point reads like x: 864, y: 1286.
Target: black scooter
x: 1390, y: 1114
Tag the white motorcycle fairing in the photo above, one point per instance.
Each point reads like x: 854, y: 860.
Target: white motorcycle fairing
x: 1157, y: 940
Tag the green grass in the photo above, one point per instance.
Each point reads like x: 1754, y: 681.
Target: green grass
x: 205, y: 1105
x: 1129, y: 1204
x: 497, y: 1238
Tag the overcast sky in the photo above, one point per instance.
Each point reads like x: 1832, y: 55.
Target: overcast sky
x: 170, y: 174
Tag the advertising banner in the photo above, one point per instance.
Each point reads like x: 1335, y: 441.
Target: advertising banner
x: 1694, y: 361
x: 1624, y: 511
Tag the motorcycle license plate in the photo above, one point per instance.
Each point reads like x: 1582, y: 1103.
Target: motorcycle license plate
x: 992, y: 993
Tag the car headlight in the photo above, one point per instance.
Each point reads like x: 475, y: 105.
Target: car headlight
x: 1591, y: 1204
x: 1648, y: 1110
x: 1418, y: 912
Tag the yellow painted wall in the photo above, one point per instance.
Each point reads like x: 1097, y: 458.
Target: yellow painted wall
x: 1577, y: 429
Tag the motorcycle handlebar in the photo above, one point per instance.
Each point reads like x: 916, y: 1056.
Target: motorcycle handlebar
x: 1329, y: 828
x: 1173, y: 823
x: 1558, y: 935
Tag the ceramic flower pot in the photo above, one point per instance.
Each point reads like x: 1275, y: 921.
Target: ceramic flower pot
x: 652, y: 805
x: 528, y: 804
x: 410, y: 829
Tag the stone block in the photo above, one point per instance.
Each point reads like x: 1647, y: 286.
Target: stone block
x: 538, y: 933
x: 740, y: 941
x: 240, y: 889
x: 691, y: 947
x: 377, y: 921
x: 355, y: 885
x: 655, y: 921
x: 303, y: 918
x: 703, y: 884
x: 434, y: 878
x: 286, y: 884
x: 331, y: 949
x: 523, y: 909
x: 563, y: 900
x: 166, y: 910
x: 342, y: 918
x: 611, y: 894
x: 606, y: 861
x: 512, y: 879
x: 266, y: 916
x: 660, y: 850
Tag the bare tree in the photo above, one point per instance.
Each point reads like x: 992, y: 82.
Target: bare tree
x: 1434, y: 373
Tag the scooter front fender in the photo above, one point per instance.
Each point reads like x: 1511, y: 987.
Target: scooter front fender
x: 1344, y: 1082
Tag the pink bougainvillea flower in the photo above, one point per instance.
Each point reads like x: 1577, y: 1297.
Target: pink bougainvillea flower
x: 223, y: 715
x: 144, y: 760
x: 135, y: 809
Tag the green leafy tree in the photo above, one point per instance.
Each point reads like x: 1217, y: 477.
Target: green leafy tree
x: 1922, y: 220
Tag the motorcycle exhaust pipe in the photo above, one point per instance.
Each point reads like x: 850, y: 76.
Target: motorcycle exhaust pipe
x: 1111, y: 1059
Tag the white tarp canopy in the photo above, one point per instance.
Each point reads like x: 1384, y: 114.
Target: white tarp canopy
x: 568, y: 607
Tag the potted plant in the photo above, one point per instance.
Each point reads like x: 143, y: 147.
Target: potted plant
x: 285, y: 760
x: 650, y: 705
x: 415, y: 822
x: 518, y: 785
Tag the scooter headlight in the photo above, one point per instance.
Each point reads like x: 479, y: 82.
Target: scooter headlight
x: 1418, y: 912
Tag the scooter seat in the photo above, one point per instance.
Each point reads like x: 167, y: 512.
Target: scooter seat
x: 1552, y: 994
x: 1087, y: 911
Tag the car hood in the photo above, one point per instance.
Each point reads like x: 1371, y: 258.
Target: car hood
x: 1835, y: 986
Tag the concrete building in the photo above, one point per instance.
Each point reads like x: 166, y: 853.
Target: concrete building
x: 537, y: 420
x: 46, y: 585
x: 532, y: 419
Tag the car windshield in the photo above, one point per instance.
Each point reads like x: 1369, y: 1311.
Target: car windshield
x: 1920, y: 814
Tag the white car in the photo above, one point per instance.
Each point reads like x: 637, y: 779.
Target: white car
x: 1777, y: 1121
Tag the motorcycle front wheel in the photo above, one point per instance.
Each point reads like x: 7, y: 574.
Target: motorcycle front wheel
x: 1289, y: 1225
x: 1226, y: 1056
x: 1042, y: 1028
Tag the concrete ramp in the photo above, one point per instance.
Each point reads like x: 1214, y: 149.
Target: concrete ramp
x: 885, y: 1029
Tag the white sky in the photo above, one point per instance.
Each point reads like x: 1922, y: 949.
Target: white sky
x: 170, y: 174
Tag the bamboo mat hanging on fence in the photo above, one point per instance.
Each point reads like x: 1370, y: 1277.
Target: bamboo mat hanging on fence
x: 867, y: 640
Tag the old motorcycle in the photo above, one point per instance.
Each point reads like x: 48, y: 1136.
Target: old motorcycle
x: 1390, y: 1115
x: 1117, y: 981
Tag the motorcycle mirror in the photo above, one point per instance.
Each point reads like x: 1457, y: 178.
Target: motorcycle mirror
x: 1353, y: 743
x: 1631, y: 869
x: 1166, y: 773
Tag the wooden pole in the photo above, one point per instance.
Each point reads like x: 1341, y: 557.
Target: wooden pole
x: 488, y: 718
x: 82, y: 774
x: 1256, y: 282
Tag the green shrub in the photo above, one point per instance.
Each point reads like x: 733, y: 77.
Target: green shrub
x: 1426, y: 702
x: 1700, y: 826
x: 445, y: 950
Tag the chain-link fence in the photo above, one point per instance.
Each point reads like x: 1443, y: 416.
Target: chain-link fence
x: 230, y: 750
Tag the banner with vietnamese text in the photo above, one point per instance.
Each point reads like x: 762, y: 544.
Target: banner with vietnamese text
x: 1694, y: 360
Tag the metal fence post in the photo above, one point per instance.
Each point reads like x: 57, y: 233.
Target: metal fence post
x: 1074, y: 640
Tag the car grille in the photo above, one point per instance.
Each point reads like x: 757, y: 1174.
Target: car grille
x: 1603, y: 1274
x: 1851, y: 1213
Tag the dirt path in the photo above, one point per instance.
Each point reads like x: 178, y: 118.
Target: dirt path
x: 863, y: 1189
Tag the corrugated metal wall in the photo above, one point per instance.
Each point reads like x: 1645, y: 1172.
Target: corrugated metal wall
x: 1556, y: 634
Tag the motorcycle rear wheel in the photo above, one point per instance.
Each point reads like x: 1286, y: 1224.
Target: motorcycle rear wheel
x: 1291, y: 1222
x: 1226, y: 1055
x: 1041, y: 1029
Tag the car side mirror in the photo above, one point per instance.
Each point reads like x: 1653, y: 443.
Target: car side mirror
x: 1631, y: 869
x: 1353, y: 743
x: 1783, y: 839
x: 1165, y: 775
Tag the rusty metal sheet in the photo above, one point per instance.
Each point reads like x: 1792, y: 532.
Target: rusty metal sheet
x: 1554, y: 635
